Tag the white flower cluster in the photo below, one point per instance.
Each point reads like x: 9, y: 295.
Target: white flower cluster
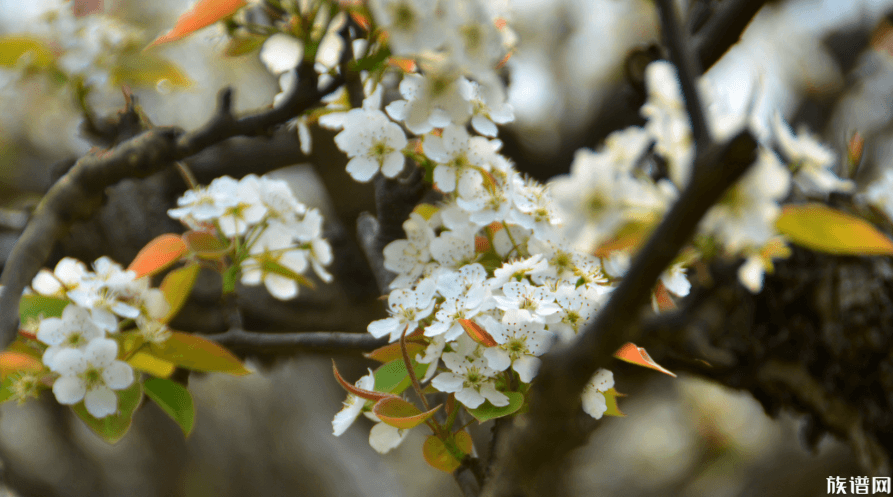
x: 103, y: 302
x: 458, y: 86
x: 613, y: 188
x: 277, y: 237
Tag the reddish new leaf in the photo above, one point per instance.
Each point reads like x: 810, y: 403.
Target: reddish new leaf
x: 392, y: 351
x: 637, y: 355
x: 13, y: 362
x: 206, y: 244
x: 401, y: 414
x: 359, y: 392
x: 157, y: 255
x: 202, y: 14
x: 438, y: 455
x: 477, y: 333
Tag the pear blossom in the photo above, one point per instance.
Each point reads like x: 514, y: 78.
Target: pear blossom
x: 201, y: 205
x: 93, y: 374
x: 408, y: 257
x: 746, y: 215
x: 810, y: 160
x: 469, y: 378
x: 489, y: 106
x: 525, y: 302
x: 751, y: 273
x: 281, y: 53
x: 594, y: 402
x: 353, y: 406
x: 274, y: 248
x: 880, y: 193
x: 577, y: 307
x: 248, y: 209
x: 384, y: 437
x: 430, y: 101
x: 520, y: 344
x: 373, y: 143
x: 407, y: 308
x: 75, y: 329
x: 675, y: 281
x: 413, y: 26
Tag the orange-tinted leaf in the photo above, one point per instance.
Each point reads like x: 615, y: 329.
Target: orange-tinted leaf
x: 148, y: 363
x: 401, y: 414
x: 405, y: 65
x: 157, y: 255
x: 823, y: 229
x: 392, y: 351
x: 206, y: 244
x: 477, y: 333
x: 12, y: 362
x: 359, y: 392
x: 176, y: 287
x: 437, y: 455
x: 637, y: 355
x: 663, y: 298
x: 481, y: 244
x: 197, y: 353
x: 202, y: 14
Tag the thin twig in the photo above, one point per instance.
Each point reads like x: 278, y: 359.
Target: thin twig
x: 677, y: 43
x: 316, y: 340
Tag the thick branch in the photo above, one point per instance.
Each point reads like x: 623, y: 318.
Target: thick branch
x: 80, y: 192
x: 535, y: 450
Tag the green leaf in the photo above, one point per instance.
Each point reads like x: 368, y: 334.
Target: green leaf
x: 488, y: 411
x: 13, y: 48
x: 823, y: 229
x: 244, y: 44
x: 33, y: 306
x: 174, y: 399
x: 176, y: 287
x: 142, y: 69
x: 611, y: 399
x: 400, y: 413
x: 199, y: 354
x: 439, y: 456
x: 113, y: 428
x: 6, y: 391
x: 271, y: 266
x: 394, y: 378
x: 206, y: 244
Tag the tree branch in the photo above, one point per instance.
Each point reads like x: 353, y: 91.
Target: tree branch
x: 80, y: 192
x: 238, y: 338
x: 536, y: 448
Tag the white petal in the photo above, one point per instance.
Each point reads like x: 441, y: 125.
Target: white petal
x: 281, y: 53
x: 495, y: 397
x: 69, y: 390
x: 498, y: 359
x: 383, y: 327
x: 50, y: 331
x: 484, y: 126
x: 100, y: 402
x: 68, y: 362
x: 527, y: 367
x: 362, y: 169
x: 347, y: 415
x: 118, y: 375
x: 281, y: 287
x: 470, y: 397
x: 383, y: 437
x: 594, y: 403
x: 46, y: 284
x: 448, y: 382
x: 393, y: 164
x: 101, y: 352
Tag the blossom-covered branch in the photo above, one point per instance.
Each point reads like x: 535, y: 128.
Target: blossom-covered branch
x: 80, y: 192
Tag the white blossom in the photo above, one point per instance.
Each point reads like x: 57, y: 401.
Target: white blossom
x: 373, y: 143
x: 93, y: 376
x: 353, y: 406
x: 594, y: 403
x: 406, y: 307
x: 810, y: 160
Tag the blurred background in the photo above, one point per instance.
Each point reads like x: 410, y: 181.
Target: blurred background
x: 823, y: 64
